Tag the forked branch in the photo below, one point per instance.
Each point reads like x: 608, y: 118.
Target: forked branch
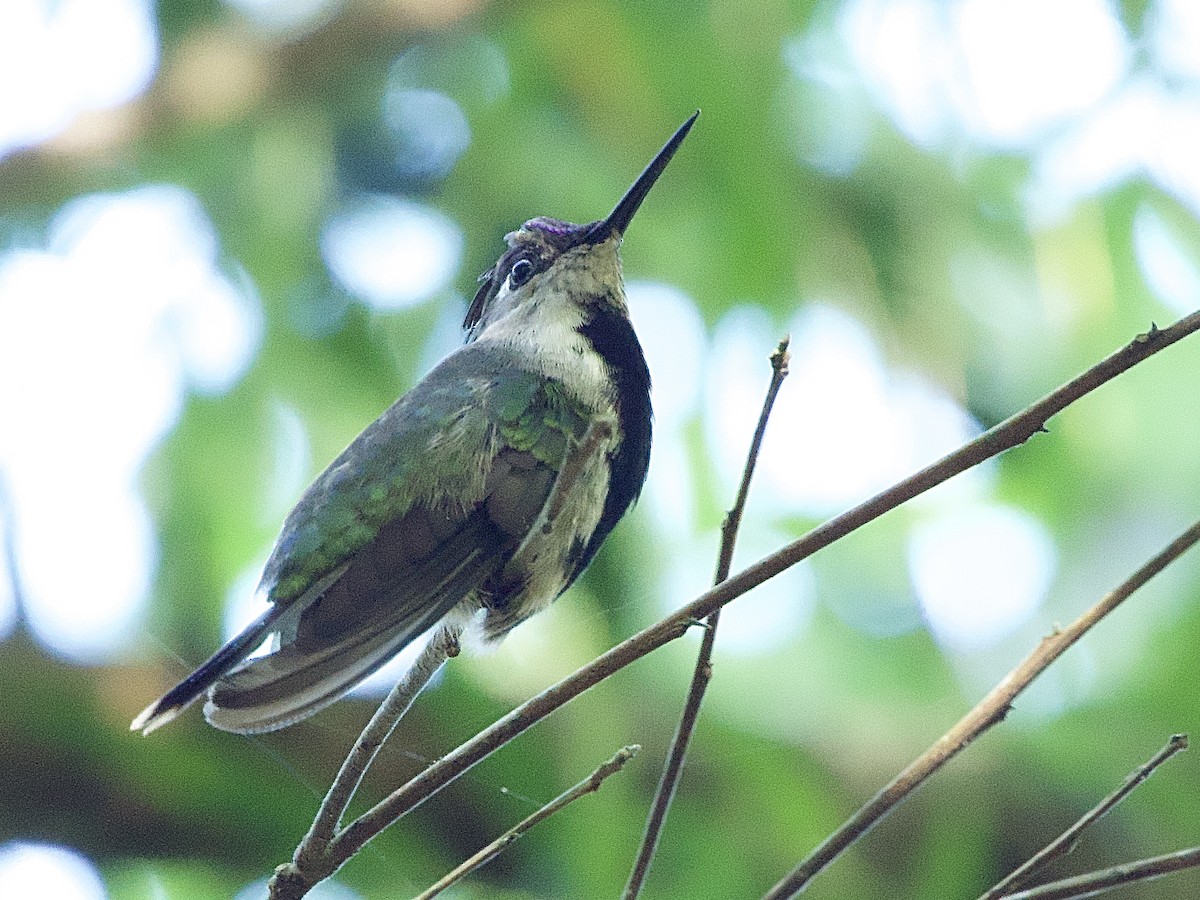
x: 1094, y: 883
x: 1067, y: 841
x: 988, y: 712
x: 294, y: 879
x: 1009, y: 433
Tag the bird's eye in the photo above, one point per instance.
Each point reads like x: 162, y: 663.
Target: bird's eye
x: 521, y: 272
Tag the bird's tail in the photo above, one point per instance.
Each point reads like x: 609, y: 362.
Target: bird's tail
x: 283, y: 687
x: 295, y: 681
x: 176, y: 700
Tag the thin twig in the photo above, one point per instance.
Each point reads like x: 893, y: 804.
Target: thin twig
x: 589, y: 785
x: 673, y: 768
x: 988, y: 712
x: 1067, y: 841
x: 1009, y: 433
x: 291, y: 877
x: 1094, y: 883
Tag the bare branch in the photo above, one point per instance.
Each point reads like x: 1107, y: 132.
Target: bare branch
x: 589, y: 785
x: 673, y: 768
x: 1068, y: 840
x: 310, y: 863
x: 1009, y: 433
x: 988, y: 712
x: 1118, y: 876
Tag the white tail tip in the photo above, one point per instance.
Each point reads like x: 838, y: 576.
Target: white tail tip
x: 152, y: 718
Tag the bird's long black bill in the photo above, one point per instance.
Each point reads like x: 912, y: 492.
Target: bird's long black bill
x: 618, y: 220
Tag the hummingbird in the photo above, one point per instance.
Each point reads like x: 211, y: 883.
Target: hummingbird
x: 475, y: 500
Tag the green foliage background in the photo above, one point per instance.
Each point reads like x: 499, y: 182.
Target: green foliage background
x: 793, y: 740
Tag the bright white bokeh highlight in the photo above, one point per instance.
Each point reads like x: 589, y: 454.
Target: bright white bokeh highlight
x: 8, y: 600
x: 46, y: 870
x: 1001, y: 72
x: 907, y: 64
x: 59, y: 58
x: 391, y: 253
x: 1059, y: 82
x: 1144, y: 129
x: 844, y: 426
x: 979, y: 573
x: 1174, y: 30
x: 674, y: 341
x: 1168, y: 266
x: 1097, y: 154
x: 1030, y: 65
x: 101, y: 334
x: 244, y: 604
x: 669, y: 494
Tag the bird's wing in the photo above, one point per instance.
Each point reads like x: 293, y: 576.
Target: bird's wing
x: 359, y: 623
x: 498, y: 460
x: 419, y: 511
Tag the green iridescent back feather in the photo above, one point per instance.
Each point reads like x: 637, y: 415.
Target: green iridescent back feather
x: 472, y: 405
